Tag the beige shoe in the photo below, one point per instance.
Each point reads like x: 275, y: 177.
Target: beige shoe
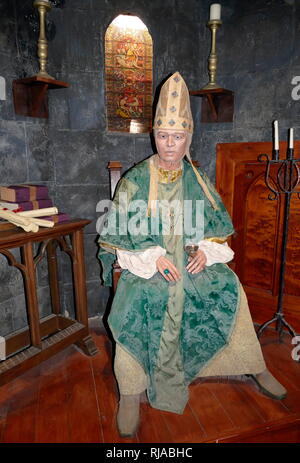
x: 128, y: 415
x: 269, y: 385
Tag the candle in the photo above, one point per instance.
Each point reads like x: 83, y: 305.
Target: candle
x: 215, y: 11
x: 291, y: 139
x: 276, y: 139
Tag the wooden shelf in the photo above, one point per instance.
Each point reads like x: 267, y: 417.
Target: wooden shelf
x: 31, y: 95
x: 217, y: 104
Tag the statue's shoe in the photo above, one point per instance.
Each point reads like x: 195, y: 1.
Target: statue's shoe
x: 128, y: 415
x: 269, y: 385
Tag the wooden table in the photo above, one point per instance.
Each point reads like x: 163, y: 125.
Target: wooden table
x: 46, y: 336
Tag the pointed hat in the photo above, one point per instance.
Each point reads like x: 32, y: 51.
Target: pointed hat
x: 173, y: 109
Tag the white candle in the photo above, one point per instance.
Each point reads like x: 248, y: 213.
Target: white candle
x: 276, y: 139
x: 215, y: 11
x: 291, y: 138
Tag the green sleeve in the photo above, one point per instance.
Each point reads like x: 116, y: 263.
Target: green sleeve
x: 107, y: 259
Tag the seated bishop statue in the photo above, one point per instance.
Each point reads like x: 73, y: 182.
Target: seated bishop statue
x: 179, y: 311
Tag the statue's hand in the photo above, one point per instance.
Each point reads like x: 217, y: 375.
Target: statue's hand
x: 197, y: 263
x: 163, y: 264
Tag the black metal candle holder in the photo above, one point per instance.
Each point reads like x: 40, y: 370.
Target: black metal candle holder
x: 288, y: 178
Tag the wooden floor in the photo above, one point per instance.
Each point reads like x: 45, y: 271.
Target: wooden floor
x: 72, y: 398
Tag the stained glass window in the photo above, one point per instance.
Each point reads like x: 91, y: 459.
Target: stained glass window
x: 128, y: 75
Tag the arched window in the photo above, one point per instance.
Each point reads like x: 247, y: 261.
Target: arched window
x: 128, y: 75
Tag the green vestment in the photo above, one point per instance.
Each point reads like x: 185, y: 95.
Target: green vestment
x: 172, y: 329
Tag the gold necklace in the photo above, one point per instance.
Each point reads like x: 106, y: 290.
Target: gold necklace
x: 168, y: 176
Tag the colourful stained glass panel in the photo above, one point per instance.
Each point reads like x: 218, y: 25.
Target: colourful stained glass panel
x: 128, y: 76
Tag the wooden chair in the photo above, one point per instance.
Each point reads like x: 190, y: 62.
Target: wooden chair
x: 115, y: 169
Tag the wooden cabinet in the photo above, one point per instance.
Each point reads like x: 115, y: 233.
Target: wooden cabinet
x: 258, y: 222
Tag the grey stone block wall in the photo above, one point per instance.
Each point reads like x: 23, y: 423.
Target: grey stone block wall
x: 70, y: 151
x: 258, y: 56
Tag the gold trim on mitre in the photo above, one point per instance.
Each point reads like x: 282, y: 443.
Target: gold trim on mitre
x: 173, y: 112
x: 173, y: 109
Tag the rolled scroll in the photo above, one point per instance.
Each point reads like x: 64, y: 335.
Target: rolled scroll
x: 22, y: 222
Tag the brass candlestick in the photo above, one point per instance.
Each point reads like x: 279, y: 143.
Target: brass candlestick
x: 212, y: 60
x: 43, y: 7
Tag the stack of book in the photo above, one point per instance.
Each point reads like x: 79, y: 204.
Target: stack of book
x: 19, y: 198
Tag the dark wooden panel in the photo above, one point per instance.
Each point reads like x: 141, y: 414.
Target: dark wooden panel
x: 255, y: 219
x: 259, y: 224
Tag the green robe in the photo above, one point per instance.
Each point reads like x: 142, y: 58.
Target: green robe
x: 172, y: 329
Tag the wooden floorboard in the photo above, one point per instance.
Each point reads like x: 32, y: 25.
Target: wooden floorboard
x: 153, y: 428
x: 20, y: 425
x: 241, y: 411
x: 205, y: 406
x: 184, y: 428
x: 73, y: 398
x: 84, y: 422
x: 268, y: 409
x: 52, y: 411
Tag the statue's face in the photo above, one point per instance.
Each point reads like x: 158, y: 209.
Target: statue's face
x: 171, y: 146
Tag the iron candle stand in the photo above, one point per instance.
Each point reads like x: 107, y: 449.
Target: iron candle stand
x: 288, y: 178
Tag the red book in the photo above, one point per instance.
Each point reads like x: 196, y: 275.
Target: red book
x: 58, y: 218
x: 21, y: 193
x: 27, y: 205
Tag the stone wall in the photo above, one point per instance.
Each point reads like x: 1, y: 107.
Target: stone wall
x: 69, y: 152
x: 258, y: 52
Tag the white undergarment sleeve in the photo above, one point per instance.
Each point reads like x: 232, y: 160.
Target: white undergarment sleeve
x: 216, y: 253
x: 141, y: 263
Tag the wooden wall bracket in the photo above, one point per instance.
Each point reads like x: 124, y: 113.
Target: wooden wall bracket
x: 31, y: 95
x: 217, y: 104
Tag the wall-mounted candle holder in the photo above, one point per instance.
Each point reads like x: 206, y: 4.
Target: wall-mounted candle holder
x: 43, y: 6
